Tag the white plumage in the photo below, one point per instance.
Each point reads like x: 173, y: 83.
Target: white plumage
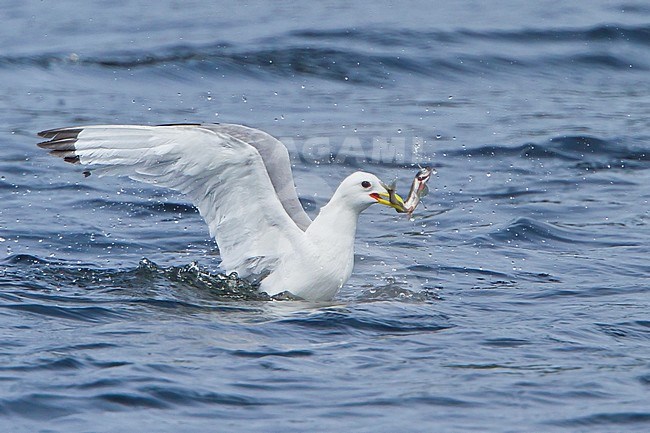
x: 240, y: 180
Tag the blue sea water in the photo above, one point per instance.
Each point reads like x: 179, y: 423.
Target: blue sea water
x: 516, y: 300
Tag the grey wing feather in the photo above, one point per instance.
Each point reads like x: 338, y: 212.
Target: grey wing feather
x: 277, y: 162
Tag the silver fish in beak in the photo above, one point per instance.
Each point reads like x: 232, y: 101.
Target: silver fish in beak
x: 418, y: 190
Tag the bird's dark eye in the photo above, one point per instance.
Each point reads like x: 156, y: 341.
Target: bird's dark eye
x: 366, y: 184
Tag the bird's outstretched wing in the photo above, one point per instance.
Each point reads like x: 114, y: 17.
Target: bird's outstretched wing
x: 224, y: 177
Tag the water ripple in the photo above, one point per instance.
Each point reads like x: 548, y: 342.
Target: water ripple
x: 177, y: 396
x: 401, y: 37
x: 38, y: 406
x: 607, y: 418
x: 342, y: 322
x: 67, y: 363
x: 272, y: 352
x: 526, y: 230
x: 584, y: 149
x: 368, y: 56
x: 82, y: 314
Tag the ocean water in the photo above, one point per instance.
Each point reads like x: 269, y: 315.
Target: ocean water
x: 516, y: 300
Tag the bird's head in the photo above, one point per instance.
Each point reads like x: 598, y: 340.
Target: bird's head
x: 362, y: 189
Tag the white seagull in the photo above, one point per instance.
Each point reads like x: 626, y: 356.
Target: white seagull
x: 240, y: 180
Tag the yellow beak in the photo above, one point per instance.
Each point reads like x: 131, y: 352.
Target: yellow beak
x: 395, y: 201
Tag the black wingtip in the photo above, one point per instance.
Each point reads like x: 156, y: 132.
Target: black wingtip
x: 72, y: 159
x: 58, y: 144
x: 61, y: 142
x: 60, y: 133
